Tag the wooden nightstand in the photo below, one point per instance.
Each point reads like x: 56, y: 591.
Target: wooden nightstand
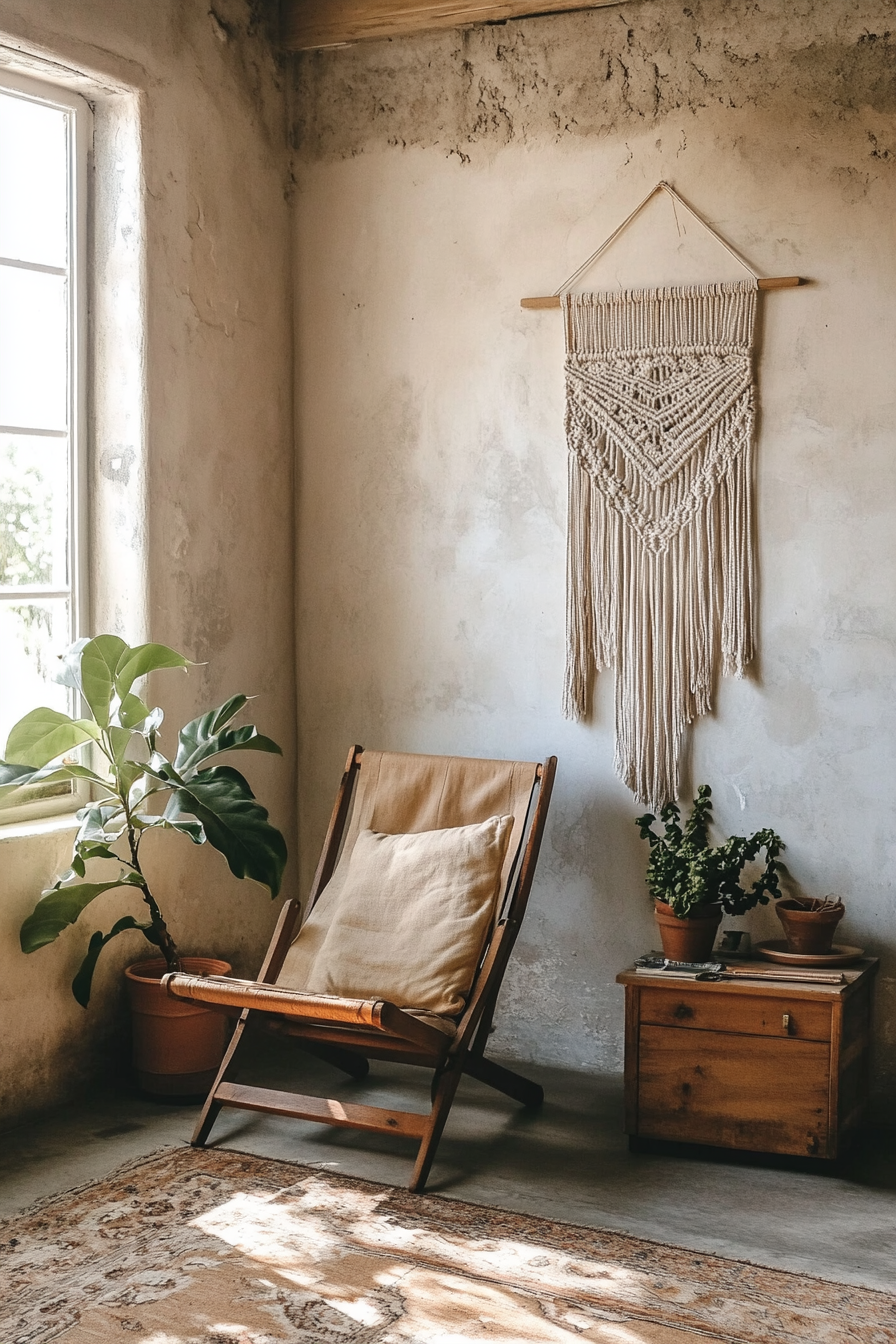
x: 775, y: 1067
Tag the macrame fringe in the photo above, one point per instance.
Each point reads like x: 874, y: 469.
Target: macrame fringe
x: 660, y: 569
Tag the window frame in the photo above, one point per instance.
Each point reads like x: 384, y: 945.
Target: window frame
x: 80, y: 148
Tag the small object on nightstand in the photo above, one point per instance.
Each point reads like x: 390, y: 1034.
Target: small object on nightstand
x: 734, y: 943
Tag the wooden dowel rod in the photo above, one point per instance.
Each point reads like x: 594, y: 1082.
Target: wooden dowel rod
x: 781, y: 281
x: 767, y: 282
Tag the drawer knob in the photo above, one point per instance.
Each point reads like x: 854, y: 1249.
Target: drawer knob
x: 785, y: 1023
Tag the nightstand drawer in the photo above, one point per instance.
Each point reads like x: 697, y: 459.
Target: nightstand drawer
x: 745, y: 1014
x: 734, y: 1091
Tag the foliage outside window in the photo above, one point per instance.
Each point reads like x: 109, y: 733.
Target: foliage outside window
x: 43, y: 145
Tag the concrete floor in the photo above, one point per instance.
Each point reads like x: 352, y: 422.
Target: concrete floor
x: 569, y: 1161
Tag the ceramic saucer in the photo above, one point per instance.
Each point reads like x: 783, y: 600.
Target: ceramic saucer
x: 839, y: 955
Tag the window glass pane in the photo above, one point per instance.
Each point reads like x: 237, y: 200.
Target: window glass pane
x: 33, y: 347
x: 34, y: 486
x: 32, y: 635
x: 33, y: 187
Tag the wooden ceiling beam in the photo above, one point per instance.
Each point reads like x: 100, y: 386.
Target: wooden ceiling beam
x: 307, y: 24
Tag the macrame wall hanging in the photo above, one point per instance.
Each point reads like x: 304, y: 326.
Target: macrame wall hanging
x: 660, y: 569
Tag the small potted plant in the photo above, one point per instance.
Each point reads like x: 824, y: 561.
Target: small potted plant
x: 174, y: 1052
x: 693, y: 883
x: 810, y: 923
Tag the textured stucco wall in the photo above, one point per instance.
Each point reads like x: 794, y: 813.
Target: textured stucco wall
x: 440, y: 179
x: 191, y: 431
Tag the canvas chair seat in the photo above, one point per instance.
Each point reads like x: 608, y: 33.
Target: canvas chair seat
x: 447, y: 1025
x: 395, y: 804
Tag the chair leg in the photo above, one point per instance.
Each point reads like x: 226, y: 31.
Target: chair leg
x: 504, y: 1080
x: 212, y: 1108
x: 444, y: 1095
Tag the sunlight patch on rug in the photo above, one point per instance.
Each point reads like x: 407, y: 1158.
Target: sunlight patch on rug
x: 211, y: 1247
x: 483, y: 1280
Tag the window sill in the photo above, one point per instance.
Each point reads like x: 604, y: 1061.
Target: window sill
x: 20, y: 830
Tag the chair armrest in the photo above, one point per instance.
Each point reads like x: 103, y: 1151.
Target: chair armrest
x: 223, y: 992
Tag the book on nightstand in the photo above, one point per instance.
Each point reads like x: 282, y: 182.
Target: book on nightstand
x: 654, y: 963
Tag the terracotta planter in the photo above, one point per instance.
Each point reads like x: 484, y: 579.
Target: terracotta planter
x: 689, y: 939
x: 809, y: 929
x: 177, y: 1045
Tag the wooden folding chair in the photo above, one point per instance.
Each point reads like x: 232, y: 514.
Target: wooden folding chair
x: 392, y: 793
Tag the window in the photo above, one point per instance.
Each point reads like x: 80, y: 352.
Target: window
x: 44, y: 136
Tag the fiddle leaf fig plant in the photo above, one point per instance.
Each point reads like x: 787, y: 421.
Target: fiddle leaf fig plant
x: 135, y: 790
x: 685, y: 871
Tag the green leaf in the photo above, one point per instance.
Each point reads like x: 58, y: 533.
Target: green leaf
x: 99, y: 659
x: 59, y: 907
x: 206, y: 737
x: 159, y: 768
x: 234, y: 823
x: 83, y: 981
x: 77, y: 772
x: 95, y: 849
x: 229, y: 710
x: 14, y: 776
x: 143, y: 659
x: 96, y: 821
x: 45, y: 734
x: 69, y: 671
x: 132, y: 712
x: 193, y: 829
x: 120, y: 740
x: 48, y: 774
x: 129, y: 772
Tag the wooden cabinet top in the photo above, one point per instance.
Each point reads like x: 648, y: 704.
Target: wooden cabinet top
x: 853, y: 977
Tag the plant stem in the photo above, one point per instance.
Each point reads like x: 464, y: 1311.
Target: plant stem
x: 162, y: 938
x: 165, y: 942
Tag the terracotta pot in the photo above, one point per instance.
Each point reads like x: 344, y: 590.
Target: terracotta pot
x: 688, y: 939
x: 809, y: 930
x: 177, y: 1045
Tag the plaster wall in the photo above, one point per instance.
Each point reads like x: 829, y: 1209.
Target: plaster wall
x: 440, y: 179
x: 191, y: 461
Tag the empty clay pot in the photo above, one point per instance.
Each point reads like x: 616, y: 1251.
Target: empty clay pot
x: 177, y: 1045
x: 688, y: 939
x: 809, y: 927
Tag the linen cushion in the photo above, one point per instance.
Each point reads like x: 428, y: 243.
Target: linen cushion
x: 409, y: 921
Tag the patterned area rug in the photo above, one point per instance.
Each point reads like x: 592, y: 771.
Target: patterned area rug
x: 207, y: 1247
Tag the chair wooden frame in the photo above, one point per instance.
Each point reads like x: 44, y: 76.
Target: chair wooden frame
x: 347, y: 1032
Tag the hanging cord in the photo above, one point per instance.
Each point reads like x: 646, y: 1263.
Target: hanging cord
x: 670, y: 190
